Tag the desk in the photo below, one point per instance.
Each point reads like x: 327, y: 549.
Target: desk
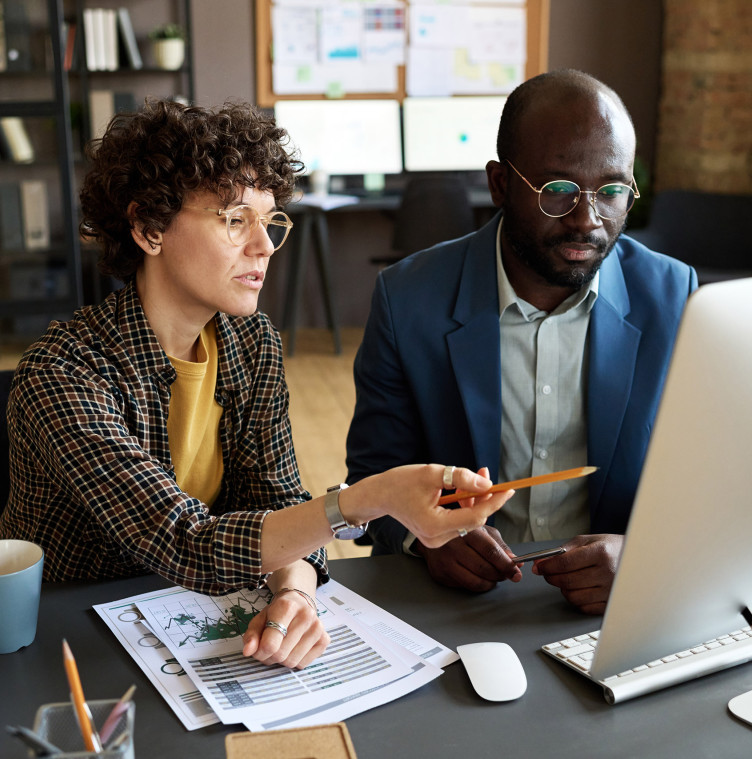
x: 561, y: 714
x: 312, y: 230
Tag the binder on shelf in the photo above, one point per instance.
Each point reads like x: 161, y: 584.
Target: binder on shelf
x: 15, y: 139
x: 17, y: 36
x: 11, y: 223
x: 36, y: 214
x: 129, y: 39
x: 103, y: 105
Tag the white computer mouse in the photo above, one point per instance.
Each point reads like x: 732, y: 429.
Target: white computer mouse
x: 494, y: 670
x: 741, y: 706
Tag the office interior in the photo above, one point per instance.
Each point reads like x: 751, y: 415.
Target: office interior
x: 638, y: 48
x: 635, y: 47
x: 682, y: 69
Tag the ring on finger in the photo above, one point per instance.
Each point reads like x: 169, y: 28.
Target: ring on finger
x: 462, y: 532
x: 448, y: 478
x: 276, y: 626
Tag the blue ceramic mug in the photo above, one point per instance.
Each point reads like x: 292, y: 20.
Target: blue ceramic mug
x: 20, y: 585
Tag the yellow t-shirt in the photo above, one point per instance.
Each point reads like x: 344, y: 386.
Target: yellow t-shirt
x: 193, y: 422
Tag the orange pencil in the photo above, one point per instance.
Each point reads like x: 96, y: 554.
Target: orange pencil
x: 526, y: 482
x: 91, y: 739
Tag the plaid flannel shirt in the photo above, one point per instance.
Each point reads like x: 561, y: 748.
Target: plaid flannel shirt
x: 92, y: 479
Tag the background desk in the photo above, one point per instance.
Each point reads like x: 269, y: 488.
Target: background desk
x: 561, y: 714
x: 311, y: 232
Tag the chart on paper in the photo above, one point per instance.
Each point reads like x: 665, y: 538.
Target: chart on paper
x: 197, y: 621
x: 203, y: 633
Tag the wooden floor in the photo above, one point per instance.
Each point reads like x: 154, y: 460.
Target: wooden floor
x: 322, y: 398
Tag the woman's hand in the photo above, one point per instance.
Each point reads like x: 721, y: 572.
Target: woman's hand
x: 411, y: 493
x: 306, y: 638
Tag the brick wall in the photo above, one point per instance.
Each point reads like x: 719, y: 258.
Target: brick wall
x: 705, y: 116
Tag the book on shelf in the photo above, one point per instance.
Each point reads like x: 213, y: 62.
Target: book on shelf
x: 128, y: 36
x: 99, y: 39
x: 15, y: 140
x: 103, y: 105
x: 11, y: 223
x: 99, y: 24
x: 3, y: 47
x: 110, y: 31
x: 69, y: 45
x: 36, y: 214
x: 91, y: 54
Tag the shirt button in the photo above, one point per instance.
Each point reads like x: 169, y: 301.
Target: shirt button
x: 540, y: 521
x: 542, y: 453
x: 546, y: 389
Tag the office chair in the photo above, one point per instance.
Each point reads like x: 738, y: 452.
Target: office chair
x: 706, y: 230
x: 433, y: 209
x: 5, y: 379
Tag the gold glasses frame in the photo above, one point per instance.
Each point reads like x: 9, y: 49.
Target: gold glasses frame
x: 580, y: 192
x: 275, y: 218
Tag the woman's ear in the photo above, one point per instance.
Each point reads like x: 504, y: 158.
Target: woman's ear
x: 150, y: 245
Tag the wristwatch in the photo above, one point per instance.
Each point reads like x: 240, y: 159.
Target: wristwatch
x: 341, y: 528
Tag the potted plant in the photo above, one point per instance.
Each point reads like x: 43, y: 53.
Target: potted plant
x: 169, y: 46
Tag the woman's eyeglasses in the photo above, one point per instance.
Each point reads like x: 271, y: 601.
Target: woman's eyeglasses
x: 242, y: 222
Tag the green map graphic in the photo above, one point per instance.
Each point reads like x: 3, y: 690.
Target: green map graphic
x: 230, y: 624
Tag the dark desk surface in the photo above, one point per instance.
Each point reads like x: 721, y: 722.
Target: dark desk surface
x: 561, y: 714
x: 480, y: 197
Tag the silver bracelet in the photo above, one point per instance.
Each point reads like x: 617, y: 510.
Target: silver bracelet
x: 305, y: 595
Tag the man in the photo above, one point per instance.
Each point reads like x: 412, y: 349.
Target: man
x: 540, y: 342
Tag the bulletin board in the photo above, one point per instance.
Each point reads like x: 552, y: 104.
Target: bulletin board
x: 294, y: 19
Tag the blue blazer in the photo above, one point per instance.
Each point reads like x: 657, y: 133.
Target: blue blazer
x: 428, y: 372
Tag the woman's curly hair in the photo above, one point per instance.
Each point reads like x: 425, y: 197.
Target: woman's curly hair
x: 154, y: 157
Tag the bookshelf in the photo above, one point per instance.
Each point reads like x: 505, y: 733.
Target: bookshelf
x: 40, y: 256
x: 46, y: 96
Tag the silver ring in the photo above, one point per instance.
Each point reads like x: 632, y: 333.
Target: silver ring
x: 276, y: 626
x: 448, y: 478
x: 462, y: 532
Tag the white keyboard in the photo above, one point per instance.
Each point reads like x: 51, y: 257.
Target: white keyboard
x: 711, y: 656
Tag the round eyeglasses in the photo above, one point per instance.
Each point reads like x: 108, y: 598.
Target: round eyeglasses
x: 242, y: 222
x: 560, y: 197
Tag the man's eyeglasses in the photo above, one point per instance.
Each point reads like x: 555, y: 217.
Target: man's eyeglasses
x: 242, y: 222
x: 560, y: 197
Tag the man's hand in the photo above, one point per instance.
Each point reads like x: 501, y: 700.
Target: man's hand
x: 476, y: 562
x: 585, y: 573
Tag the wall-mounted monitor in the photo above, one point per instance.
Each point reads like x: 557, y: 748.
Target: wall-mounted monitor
x: 450, y: 133
x: 344, y: 136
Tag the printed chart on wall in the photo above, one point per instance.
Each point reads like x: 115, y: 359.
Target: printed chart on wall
x: 458, y: 47
x: 373, y: 658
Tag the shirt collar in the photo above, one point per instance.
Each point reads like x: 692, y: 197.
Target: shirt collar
x: 508, y: 297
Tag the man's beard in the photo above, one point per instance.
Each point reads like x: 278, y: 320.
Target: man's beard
x: 575, y: 275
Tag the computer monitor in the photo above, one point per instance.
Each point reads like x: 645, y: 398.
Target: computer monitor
x: 450, y: 133
x: 344, y: 136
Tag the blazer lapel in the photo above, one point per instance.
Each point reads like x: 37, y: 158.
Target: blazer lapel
x: 474, y: 347
x: 613, y: 352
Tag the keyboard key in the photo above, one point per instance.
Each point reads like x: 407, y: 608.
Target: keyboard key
x: 575, y: 650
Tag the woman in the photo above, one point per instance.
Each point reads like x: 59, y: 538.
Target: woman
x: 151, y: 432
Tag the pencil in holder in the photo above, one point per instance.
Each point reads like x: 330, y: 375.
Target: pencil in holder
x: 57, y: 724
